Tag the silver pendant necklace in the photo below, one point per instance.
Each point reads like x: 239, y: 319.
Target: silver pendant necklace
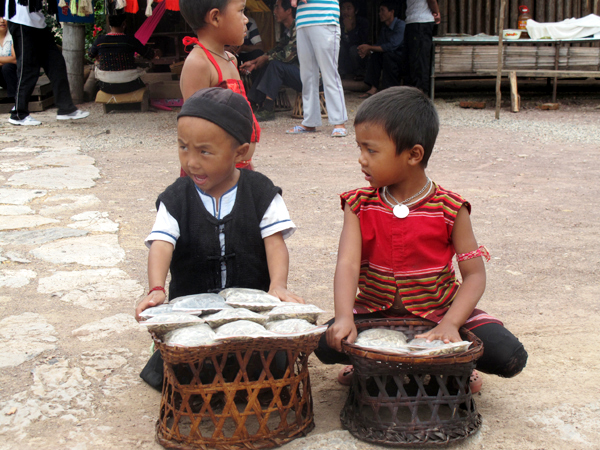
x: 400, y: 209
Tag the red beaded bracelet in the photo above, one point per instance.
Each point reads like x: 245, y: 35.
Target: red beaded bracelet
x: 157, y: 288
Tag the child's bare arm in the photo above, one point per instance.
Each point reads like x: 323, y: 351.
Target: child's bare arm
x: 472, y: 287
x: 196, y: 73
x: 159, y: 260
x: 345, y: 282
x: 278, y: 260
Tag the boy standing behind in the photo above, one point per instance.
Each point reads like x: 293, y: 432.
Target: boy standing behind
x: 219, y: 226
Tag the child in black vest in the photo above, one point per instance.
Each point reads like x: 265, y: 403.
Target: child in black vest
x: 219, y: 226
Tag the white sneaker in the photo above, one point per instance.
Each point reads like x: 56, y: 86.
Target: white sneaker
x: 77, y: 114
x: 27, y: 121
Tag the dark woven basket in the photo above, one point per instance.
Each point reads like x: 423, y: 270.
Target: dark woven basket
x: 405, y: 401
x: 250, y: 394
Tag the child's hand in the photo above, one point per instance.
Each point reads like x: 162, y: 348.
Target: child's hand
x: 444, y: 332
x: 284, y: 295
x: 340, y: 329
x: 153, y: 299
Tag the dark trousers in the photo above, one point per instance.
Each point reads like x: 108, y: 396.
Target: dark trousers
x: 386, y: 66
x: 8, y: 79
x: 270, y: 78
x: 503, y: 354
x: 349, y: 62
x: 418, y: 38
x: 35, y: 48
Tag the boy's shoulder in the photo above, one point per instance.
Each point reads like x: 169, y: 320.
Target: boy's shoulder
x: 362, y: 193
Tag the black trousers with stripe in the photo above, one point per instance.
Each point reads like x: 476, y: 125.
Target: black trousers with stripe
x: 503, y: 354
x: 35, y: 48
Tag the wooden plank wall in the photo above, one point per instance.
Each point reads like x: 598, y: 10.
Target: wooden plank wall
x: 480, y: 16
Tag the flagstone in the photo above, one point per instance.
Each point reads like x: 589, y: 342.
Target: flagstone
x: 16, y: 278
x: 36, y: 237
x: 94, y: 221
x: 29, y: 221
x: 15, y: 210
x: 68, y: 202
x: 106, y: 327
x: 91, y: 289
x: 19, y: 196
x: 57, y: 178
x: 101, y: 250
x: 23, y: 337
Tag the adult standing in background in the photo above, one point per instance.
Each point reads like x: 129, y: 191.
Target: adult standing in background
x: 318, y: 40
x: 421, y: 17
x: 8, y: 61
x: 35, y: 48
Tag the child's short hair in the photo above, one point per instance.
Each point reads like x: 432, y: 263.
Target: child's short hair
x: 407, y: 115
x: 224, y: 108
x: 117, y: 20
x: 194, y: 11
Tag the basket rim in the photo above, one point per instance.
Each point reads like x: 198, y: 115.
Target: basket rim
x: 470, y: 355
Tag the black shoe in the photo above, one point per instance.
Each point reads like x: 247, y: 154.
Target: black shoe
x: 264, y: 115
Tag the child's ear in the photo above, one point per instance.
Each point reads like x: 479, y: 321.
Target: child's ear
x: 241, y: 152
x: 416, y: 154
x: 212, y: 17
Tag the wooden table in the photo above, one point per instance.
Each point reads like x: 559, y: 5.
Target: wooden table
x: 542, y: 69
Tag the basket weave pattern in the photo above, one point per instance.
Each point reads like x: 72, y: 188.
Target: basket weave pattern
x: 403, y: 401
x: 251, y: 394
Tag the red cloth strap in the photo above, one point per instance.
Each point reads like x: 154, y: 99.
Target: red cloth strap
x: 157, y: 288
x: 187, y: 40
x: 481, y: 251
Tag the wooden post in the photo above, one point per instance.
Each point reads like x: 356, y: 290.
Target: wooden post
x: 500, y: 63
x: 73, y: 52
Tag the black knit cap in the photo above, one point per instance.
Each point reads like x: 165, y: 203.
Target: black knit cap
x: 224, y: 108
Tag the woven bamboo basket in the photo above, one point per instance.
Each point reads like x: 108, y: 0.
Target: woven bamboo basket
x: 404, y: 401
x: 251, y: 394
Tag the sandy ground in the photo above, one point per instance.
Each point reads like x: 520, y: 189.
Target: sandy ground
x: 532, y: 187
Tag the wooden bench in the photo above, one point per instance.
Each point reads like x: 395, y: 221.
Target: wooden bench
x: 41, y: 98
x: 536, y: 73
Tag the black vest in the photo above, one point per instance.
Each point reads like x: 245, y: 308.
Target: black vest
x: 196, y: 264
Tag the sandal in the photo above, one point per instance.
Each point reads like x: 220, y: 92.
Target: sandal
x: 345, y: 376
x: 366, y: 95
x: 299, y: 129
x: 339, y: 132
x: 475, y: 382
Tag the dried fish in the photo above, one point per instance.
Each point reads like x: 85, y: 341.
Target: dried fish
x: 230, y: 315
x: 241, y: 330
x: 382, y: 338
x: 199, y: 303
x: 163, y: 323
x: 193, y: 336
x: 256, y: 301
x: 156, y: 310
x: 289, y: 326
x: 309, y: 313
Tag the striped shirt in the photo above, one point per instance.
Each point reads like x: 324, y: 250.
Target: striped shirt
x: 410, y: 256
x: 317, y: 12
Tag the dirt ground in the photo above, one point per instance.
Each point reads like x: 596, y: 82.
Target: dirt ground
x: 531, y: 178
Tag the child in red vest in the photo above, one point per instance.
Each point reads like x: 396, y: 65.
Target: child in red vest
x: 217, y: 23
x: 399, y: 237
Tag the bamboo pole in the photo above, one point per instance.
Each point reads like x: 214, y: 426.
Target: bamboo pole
x: 499, y: 75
